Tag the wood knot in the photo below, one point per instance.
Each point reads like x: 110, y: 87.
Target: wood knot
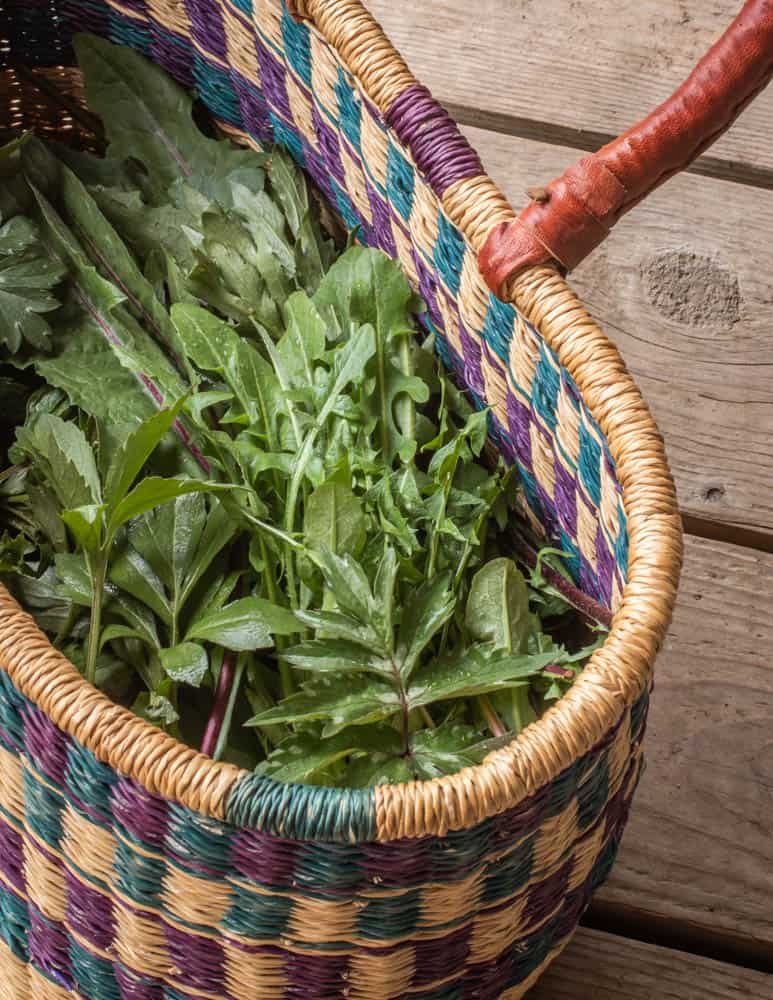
x: 692, y: 288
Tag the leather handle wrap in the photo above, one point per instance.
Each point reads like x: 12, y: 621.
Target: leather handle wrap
x: 570, y: 217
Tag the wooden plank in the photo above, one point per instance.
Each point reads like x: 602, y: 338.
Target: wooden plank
x: 589, y: 69
x: 696, y: 862
x: 683, y: 286
x: 606, y: 967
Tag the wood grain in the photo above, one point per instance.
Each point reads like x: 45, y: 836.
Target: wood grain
x: 588, y: 69
x: 697, y: 857
x: 599, y: 966
x: 683, y: 286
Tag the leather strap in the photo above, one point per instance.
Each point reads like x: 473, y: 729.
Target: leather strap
x: 567, y: 220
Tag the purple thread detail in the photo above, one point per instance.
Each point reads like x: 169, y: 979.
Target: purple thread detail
x: 471, y: 351
x: 435, y: 958
x: 134, y: 987
x: 207, y: 26
x: 329, y: 146
x: 518, y: 421
x: 87, y: 18
x: 428, y: 290
x: 587, y: 578
x: 49, y: 949
x: 271, y: 861
x: 549, y: 518
x: 566, y: 497
x: 46, y: 744
x: 440, y: 150
x: 136, y: 5
x: 11, y: 855
x: 605, y: 561
x: 89, y: 913
x: 545, y: 897
x: 141, y: 814
x: 272, y: 76
x: 254, y: 109
x: 198, y: 961
x: 382, y: 227
x: 172, y: 52
x: 316, y: 977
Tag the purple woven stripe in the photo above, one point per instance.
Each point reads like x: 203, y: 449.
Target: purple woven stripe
x: 472, y: 353
x: 134, y: 987
x: 139, y: 6
x: 254, y: 109
x: 547, y: 895
x: 272, y: 77
x: 198, y: 961
x: 440, y: 150
x: 207, y: 26
x: 439, y: 956
x: 79, y: 17
x: 328, y: 145
x: 518, y: 421
x: 382, y: 225
x: 49, y: 949
x: 606, y: 564
x: 266, y: 859
x: 566, y: 497
x: 89, y: 913
x: 46, y: 744
x: 172, y: 52
x: 11, y: 855
x: 315, y: 977
x: 141, y: 814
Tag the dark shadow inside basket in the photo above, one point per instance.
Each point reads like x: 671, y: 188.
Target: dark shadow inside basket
x: 539, y: 420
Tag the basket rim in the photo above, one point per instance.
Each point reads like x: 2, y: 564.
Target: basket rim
x: 617, y: 672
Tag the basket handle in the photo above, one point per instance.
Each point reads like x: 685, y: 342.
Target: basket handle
x: 566, y: 220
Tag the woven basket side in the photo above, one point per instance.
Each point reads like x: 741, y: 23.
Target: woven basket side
x: 108, y: 891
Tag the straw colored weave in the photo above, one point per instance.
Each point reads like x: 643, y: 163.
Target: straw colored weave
x: 133, y: 867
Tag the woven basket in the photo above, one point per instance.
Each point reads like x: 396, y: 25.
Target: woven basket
x: 134, y: 867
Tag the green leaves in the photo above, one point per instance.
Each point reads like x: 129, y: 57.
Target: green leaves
x: 498, y: 606
x: 187, y: 663
x: 27, y: 276
x: 334, y: 520
x: 62, y: 454
x: 246, y: 624
x: 477, y: 670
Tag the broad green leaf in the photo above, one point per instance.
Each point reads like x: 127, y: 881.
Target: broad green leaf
x: 155, y: 708
x: 136, y: 576
x: 246, y: 624
x: 128, y: 461
x: 113, y: 632
x: 74, y: 579
x: 137, y: 615
x: 186, y: 663
x: 384, y: 592
x: 154, y: 491
x: 147, y: 117
x: 219, y: 530
x: 303, y: 344
x: 334, y: 625
x: 336, y: 656
x: 498, y: 606
x: 86, y: 525
x: 28, y: 274
x: 477, y: 670
x: 348, y: 583
x: 448, y: 748
x: 425, y: 613
x: 335, y: 520
x: 338, y: 702
x: 303, y: 756
x: 372, y: 770
x: 41, y: 596
x: 63, y: 454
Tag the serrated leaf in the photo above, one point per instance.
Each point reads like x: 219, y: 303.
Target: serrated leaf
x: 339, y: 702
x: 62, y: 452
x: 27, y: 276
x: 498, y: 606
x: 155, y: 491
x: 247, y: 624
x: 475, y: 671
x: 428, y: 610
x: 348, y: 582
x: 186, y: 663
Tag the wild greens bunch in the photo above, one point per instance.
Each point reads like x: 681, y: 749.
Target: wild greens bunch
x: 243, y: 498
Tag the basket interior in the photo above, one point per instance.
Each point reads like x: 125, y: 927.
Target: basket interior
x: 269, y: 78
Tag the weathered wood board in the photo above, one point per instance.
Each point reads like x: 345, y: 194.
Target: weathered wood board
x: 599, y: 966
x: 697, y: 857
x: 578, y: 71
x: 683, y: 286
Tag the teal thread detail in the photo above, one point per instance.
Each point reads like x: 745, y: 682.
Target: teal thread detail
x: 510, y: 874
x: 216, y: 90
x: 498, y: 327
x: 255, y: 915
x: 94, y: 976
x: 449, y: 253
x: 303, y: 812
x: 400, y: 182
x: 42, y: 809
x: 190, y: 835
x: 125, y: 31
x: 345, y: 207
x: 621, y: 541
x: 14, y: 923
x: 545, y: 388
x: 295, y: 36
x: 349, y: 110
x: 11, y: 720
x: 589, y: 464
x: 243, y: 5
x: 593, y: 794
x: 287, y: 137
x: 89, y: 780
x: 389, y: 917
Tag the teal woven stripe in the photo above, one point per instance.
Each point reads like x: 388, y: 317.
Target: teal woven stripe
x: 303, y: 812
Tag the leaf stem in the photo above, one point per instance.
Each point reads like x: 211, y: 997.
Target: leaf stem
x: 223, y: 696
x: 98, y: 572
x: 428, y: 720
x: 225, y: 726
x: 492, y: 719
